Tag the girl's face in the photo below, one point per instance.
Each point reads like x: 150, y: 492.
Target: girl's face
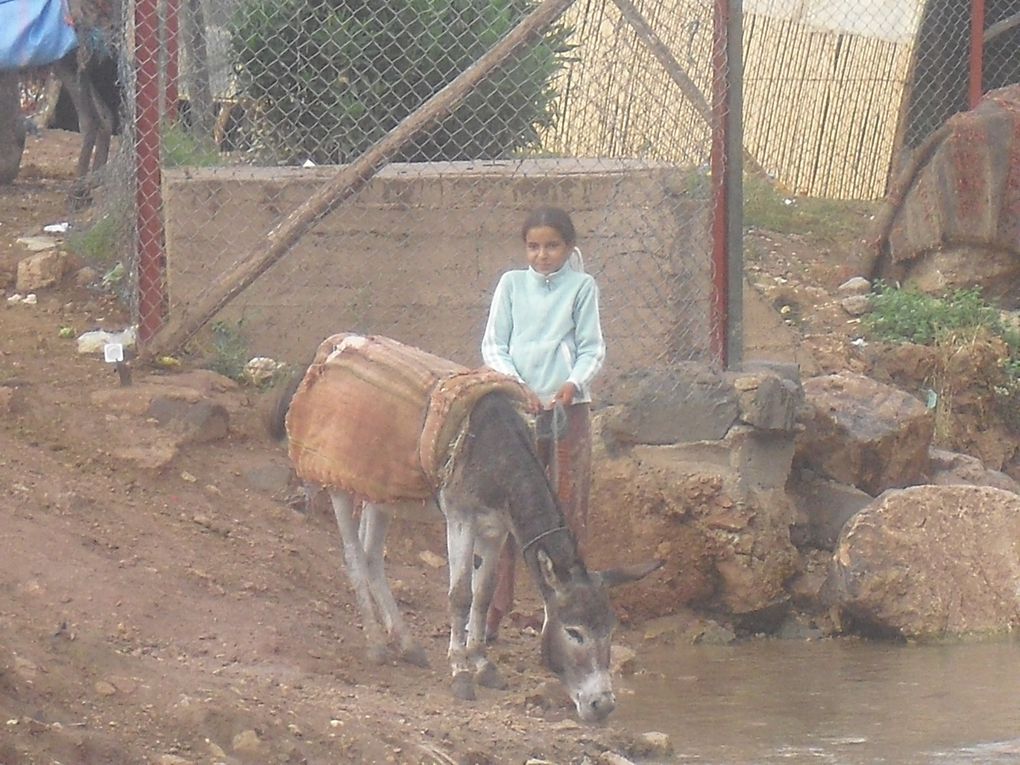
x: 546, y: 249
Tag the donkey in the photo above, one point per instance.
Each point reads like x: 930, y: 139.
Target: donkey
x: 494, y: 485
x: 82, y: 57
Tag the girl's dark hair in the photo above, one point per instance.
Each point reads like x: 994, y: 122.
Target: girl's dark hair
x: 553, y: 217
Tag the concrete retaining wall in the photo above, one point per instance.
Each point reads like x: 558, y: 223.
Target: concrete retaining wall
x: 417, y: 253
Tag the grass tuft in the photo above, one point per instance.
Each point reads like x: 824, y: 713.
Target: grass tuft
x: 766, y: 207
x: 954, y: 323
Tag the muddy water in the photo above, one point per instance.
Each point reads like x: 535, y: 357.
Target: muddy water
x: 845, y: 702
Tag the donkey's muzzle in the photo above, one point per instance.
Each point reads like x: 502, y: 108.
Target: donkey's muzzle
x: 596, y: 708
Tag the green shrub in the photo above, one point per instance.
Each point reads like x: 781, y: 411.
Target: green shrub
x: 905, y: 315
x: 331, y: 77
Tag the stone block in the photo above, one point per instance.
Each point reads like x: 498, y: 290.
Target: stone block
x: 688, y: 402
x: 761, y: 459
x: 824, y: 507
x: 199, y: 421
x: 43, y: 269
x: 768, y: 401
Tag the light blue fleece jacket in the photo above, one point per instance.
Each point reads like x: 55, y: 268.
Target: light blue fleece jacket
x: 545, y: 330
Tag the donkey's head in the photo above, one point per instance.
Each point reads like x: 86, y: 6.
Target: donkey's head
x: 578, y: 630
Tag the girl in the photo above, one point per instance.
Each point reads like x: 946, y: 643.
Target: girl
x: 544, y: 330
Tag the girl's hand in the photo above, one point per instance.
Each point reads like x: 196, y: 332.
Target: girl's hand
x: 565, y: 396
x: 534, y: 404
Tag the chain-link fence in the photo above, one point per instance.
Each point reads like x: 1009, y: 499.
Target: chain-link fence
x: 1001, y: 61
x: 366, y: 166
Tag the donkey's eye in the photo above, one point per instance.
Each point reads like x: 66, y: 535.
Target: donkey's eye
x: 575, y: 635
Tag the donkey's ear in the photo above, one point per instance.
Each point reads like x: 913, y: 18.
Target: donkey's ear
x: 624, y: 574
x: 546, y: 569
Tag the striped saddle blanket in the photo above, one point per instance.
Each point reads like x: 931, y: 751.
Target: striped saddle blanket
x: 380, y: 419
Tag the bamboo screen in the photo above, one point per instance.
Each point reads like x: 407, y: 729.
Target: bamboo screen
x: 617, y: 101
x: 820, y: 107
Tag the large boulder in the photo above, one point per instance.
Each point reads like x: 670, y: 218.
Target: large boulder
x: 951, y: 468
x: 930, y: 562
x: 863, y: 433
x: 693, y: 401
x: 687, y: 402
x: 950, y: 219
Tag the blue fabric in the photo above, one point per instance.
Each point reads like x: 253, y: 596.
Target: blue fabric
x: 34, y: 33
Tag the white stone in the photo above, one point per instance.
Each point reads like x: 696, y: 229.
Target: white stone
x: 858, y: 285
x: 38, y: 243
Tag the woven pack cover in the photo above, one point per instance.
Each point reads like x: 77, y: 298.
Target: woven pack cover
x: 378, y: 418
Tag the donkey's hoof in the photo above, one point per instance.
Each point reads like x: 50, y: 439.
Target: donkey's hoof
x: 490, y: 677
x: 463, y: 687
x: 415, y: 655
x: 378, y: 654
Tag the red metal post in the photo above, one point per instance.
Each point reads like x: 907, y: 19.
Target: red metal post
x: 152, y: 301
x: 173, y: 10
x: 975, y: 87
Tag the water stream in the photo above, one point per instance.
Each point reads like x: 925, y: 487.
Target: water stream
x: 832, y: 701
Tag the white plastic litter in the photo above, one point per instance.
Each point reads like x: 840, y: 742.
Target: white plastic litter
x: 57, y: 228
x: 97, y: 340
x: 261, y: 369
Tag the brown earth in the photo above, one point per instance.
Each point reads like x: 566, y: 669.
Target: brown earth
x: 187, y: 613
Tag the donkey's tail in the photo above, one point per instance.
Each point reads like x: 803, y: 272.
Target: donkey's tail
x: 276, y: 419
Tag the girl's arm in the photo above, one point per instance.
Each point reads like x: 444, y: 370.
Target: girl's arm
x: 496, y: 340
x: 591, y: 348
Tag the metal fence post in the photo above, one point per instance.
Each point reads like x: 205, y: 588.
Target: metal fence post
x: 148, y: 198
x: 727, y: 267
x: 975, y: 86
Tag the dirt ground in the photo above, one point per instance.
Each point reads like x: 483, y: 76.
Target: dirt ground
x: 187, y: 613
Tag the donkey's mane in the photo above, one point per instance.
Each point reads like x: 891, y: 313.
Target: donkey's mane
x: 503, y: 438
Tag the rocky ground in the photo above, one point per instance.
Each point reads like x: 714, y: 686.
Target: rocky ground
x: 163, y: 601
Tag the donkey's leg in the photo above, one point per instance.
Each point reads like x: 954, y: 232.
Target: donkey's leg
x: 103, y: 117
x: 374, y: 523
x: 460, y: 551
x: 69, y: 75
x: 489, y: 537
x: 357, y: 572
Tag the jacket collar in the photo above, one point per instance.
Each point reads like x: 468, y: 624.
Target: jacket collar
x: 553, y: 277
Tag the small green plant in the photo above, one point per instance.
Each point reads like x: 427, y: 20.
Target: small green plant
x: 950, y: 322
x: 180, y: 149
x: 100, y: 244
x: 906, y: 315
x: 229, y: 351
